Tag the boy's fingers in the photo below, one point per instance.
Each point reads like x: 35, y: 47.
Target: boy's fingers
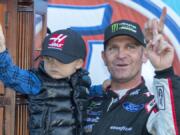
x: 2, y: 40
x: 1, y: 34
x: 0, y: 29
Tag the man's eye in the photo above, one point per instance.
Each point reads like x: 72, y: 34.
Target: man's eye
x: 131, y: 46
x: 109, y: 48
x: 112, y: 48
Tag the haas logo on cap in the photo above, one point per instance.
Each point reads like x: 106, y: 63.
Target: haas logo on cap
x: 57, y: 41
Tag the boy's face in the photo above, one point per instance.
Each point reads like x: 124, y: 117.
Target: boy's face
x: 58, y: 70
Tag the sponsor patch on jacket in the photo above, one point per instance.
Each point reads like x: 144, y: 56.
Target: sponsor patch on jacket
x: 131, y: 107
x: 88, y: 128
x: 94, y: 113
x: 94, y: 104
x: 121, y: 128
x: 147, y: 94
x: 150, y: 105
x: 136, y: 92
x: 160, y: 97
x: 93, y: 120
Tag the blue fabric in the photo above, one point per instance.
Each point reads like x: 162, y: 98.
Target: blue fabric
x: 23, y: 81
x: 96, y: 91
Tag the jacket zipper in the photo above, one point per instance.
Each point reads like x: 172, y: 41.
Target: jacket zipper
x: 112, y: 99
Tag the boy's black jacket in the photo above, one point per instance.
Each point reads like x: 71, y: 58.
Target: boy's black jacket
x: 59, y: 108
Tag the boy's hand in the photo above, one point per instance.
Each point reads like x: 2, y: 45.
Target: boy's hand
x: 81, y: 78
x: 2, y: 40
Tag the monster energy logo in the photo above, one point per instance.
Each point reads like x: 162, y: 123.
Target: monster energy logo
x: 123, y: 26
x: 114, y: 27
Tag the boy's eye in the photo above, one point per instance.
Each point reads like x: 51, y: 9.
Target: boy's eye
x: 48, y: 58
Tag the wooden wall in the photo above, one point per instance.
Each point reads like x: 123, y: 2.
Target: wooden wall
x: 18, y: 19
x: 7, y: 96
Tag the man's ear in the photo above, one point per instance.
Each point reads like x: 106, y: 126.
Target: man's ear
x: 103, y: 55
x: 79, y: 63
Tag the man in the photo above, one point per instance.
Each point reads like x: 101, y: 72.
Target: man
x: 127, y: 107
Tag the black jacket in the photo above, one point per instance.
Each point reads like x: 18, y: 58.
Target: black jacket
x: 138, y: 112
x: 58, y: 108
x: 107, y: 115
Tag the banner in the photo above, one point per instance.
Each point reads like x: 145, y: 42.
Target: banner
x: 91, y: 17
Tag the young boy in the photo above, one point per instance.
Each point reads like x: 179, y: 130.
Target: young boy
x: 57, y: 89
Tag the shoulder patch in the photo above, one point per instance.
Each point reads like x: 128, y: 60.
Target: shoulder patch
x: 149, y: 106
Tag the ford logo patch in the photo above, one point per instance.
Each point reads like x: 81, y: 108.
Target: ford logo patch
x: 131, y: 107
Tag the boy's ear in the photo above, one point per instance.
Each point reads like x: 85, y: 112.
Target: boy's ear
x: 79, y: 63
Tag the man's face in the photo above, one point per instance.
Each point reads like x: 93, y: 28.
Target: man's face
x: 123, y: 57
x: 58, y: 70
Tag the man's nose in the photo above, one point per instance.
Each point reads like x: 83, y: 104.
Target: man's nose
x: 121, y: 53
